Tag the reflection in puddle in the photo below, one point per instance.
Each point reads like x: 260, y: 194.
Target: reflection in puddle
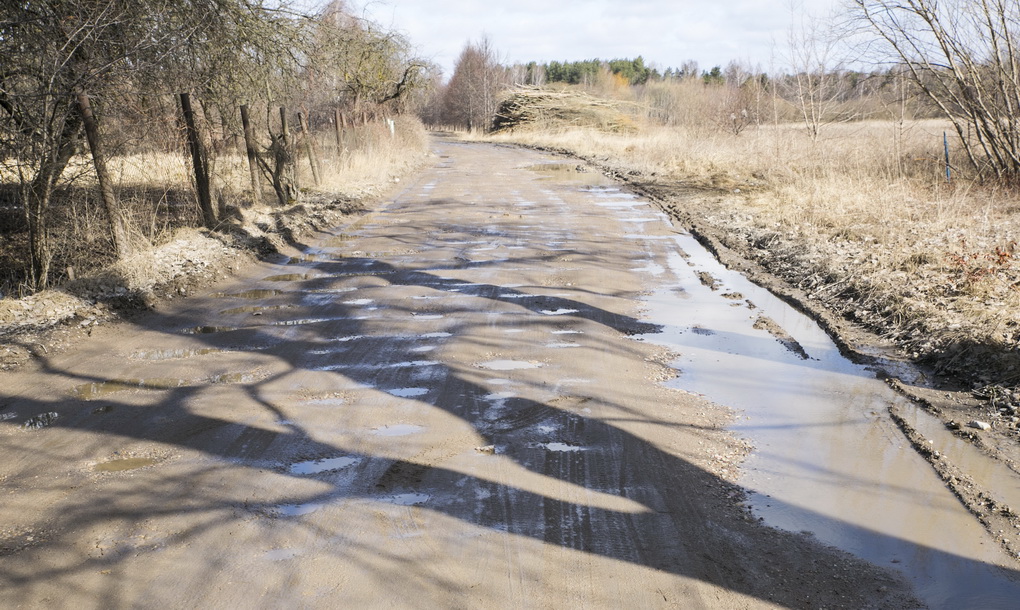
x: 288, y: 277
x: 208, y: 330
x: 249, y: 294
x: 254, y: 309
x: 560, y: 447
x: 323, y: 465
x: 558, y: 312
x: 123, y: 464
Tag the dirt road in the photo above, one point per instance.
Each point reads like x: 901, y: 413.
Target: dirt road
x: 440, y: 405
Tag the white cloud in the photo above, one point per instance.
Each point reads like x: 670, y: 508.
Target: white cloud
x: 664, y: 32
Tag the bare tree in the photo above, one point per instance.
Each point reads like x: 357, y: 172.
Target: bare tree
x: 63, y: 63
x: 472, y: 94
x: 963, y: 55
x: 817, y: 84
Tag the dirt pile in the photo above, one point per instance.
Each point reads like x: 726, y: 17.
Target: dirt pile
x: 534, y: 108
x: 47, y: 320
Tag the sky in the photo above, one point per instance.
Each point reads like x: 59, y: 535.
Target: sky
x: 665, y: 32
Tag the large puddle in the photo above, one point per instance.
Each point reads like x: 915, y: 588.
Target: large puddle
x: 828, y: 458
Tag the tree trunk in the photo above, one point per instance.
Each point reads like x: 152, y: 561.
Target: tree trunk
x: 199, y: 162
x: 115, y: 215
x: 37, y: 196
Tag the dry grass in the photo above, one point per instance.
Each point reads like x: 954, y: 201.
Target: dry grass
x: 157, y: 189
x: 862, y: 219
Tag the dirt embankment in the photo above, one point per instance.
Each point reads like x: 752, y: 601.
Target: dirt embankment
x: 53, y: 319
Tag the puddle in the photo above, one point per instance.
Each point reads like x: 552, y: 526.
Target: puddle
x: 828, y: 458
x: 98, y: 389
x: 570, y: 172
x: 508, y: 365
x: 208, y: 330
x: 40, y: 421
x: 288, y: 277
x: 359, y: 302
x: 558, y: 312
x: 253, y: 309
x: 999, y: 481
x: 282, y: 554
x: 323, y: 465
x: 296, y: 510
x: 174, y: 354
x: 560, y: 447
x: 408, y: 392
x: 397, y: 430
x: 123, y: 464
x: 567, y: 332
x: 562, y: 345
x: 407, y: 499
x: 427, y: 316
x: 249, y: 294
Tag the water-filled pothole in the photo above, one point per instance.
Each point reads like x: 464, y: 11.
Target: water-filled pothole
x: 249, y: 294
x: 288, y: 277
x: 122, y: 464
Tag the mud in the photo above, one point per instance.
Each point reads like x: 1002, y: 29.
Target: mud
x: 553, y: 477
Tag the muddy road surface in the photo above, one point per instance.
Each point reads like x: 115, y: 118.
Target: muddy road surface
x: 457, y: 400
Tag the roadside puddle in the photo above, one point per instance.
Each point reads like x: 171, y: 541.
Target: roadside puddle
x: 570, y: 172
x: 828, y: 458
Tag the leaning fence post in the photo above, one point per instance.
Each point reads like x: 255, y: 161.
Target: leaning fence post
x: 313, y: 159
x: 249, y: 147
x: 945, y: 145
x: 199, y: 162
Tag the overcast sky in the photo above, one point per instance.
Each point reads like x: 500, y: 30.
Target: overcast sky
x: 664, y: 32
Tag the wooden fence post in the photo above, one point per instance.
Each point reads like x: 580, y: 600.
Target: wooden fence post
x: 199, y: 162
x: 313, y: 158
x: 253, y: 162
x: 338, y: 124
